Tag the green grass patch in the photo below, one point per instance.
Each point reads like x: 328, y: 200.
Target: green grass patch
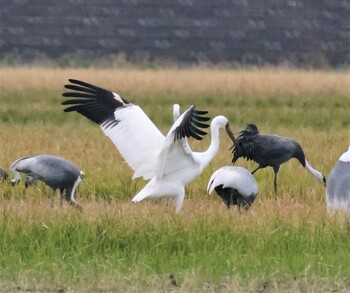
x: 63, y: 246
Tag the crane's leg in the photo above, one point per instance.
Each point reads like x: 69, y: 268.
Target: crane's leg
x: 62, y: 196
x: 52, y: 203
x: 179, y: 201
x: 230, y: 200
x: 242, y: 203
x: 29, y: 181
x: 71, y: 200
x: 275, y: 169
x: 256, y: 169
x: 167, y: 201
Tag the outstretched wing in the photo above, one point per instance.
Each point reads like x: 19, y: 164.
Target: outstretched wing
x: 176, y: 155
x: 136, y: 137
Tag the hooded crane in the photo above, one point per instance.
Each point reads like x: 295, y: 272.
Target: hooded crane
x: 270, y: 150
x: 168, y: 162
x: 55, y: 172
x: 338, y: 185
x: 234, y: 185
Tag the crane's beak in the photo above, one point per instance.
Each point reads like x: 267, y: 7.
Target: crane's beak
x: 231, y: 135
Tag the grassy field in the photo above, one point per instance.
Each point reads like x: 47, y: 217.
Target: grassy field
x: 285, y: 243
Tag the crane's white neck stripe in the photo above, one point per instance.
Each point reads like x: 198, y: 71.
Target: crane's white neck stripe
x: 317, y: 175
x: 79, y: 179
x: 346, y: 156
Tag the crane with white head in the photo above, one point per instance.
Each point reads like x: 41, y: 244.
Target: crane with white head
x: 167, y: 161
x: 56, y: 172
x: 270, y: 150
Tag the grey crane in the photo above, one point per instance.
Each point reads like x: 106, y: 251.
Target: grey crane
x: 234, y: 185
x: 338, y: 185
x: 3, y: 174
x: 270, y: 150
x: 56, y: 172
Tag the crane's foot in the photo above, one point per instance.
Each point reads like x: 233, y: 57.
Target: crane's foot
x: 77, y: 206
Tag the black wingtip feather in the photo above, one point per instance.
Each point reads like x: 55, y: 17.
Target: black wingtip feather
x: 93, y: 102
x: 200, y: 112
x: 191, y: 124
x: 199, y: 124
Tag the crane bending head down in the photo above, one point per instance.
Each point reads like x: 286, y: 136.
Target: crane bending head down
x: 269, y: 150
x: 56, y: 172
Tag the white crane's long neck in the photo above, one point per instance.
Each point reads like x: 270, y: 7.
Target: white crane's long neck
x: 213, y: 148
x: 317, y: 175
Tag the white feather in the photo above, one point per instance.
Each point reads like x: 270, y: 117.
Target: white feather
x: 235, y: 177
x: 19, y: 165
x: 176, y: 112
x: 176, y: 155
x: 168, y: 162
x: 178, y: 165
x: 338, y: 185
x: 345, y: 157
x: 138, y: 140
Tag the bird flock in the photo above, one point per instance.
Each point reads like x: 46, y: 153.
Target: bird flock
x: 167, y: 162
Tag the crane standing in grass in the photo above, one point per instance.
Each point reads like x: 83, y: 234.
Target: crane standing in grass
x: 234, y: 185
x: 338, y: 185
x: 54, y: 171
x: 167, y: 161
x: 270, y: 150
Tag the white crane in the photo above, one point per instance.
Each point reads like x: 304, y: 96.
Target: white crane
x: 338, y: 185
x: 234, y: 185
x: 168, y: 162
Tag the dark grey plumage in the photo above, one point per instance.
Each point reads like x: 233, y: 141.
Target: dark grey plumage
x: 270, y: 151
x: 3, y: 174
x: 93, y: 102
x: 56, y: 172
x: 231, y: 196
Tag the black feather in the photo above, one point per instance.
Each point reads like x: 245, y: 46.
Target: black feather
x: 190, y: 125
x: 80, y: 88
x: 199, y: 124
x: 200, y: 112
x: 78, y: 95
x: 93, y: 102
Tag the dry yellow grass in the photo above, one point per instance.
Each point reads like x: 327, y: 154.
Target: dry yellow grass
x: 289, y: 210
x: 266, y: 82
